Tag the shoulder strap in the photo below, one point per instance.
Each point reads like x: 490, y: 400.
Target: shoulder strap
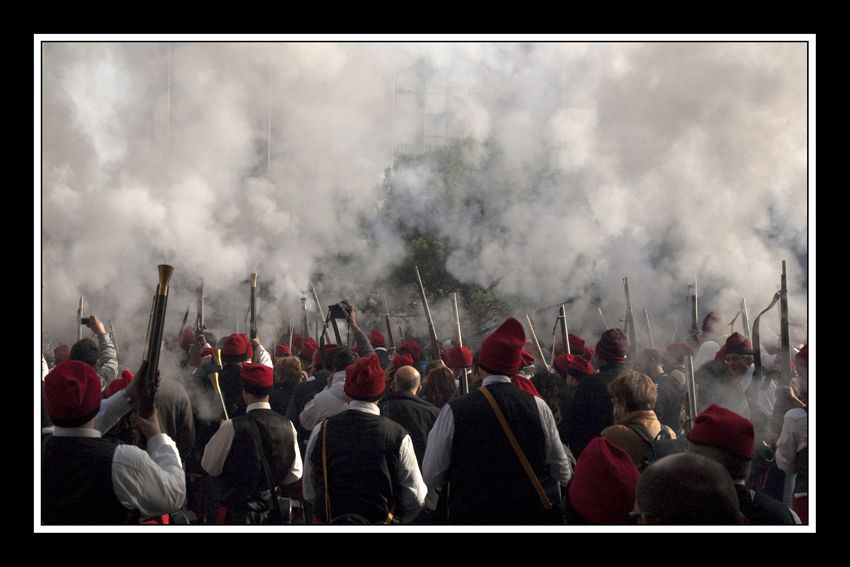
x: 641, y: 431
x: 256, y: 434
x: 544, y: 500
x: 325, y: 469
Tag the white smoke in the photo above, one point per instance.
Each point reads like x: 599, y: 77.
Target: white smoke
x: 652, y: 161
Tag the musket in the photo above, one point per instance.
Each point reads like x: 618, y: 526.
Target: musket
x: 745, y: 319
x: 630, y: 319
x: 217, y: 385
x: 690, y: 384
x: 150, y: 381
x: 604, y: 322
x: 319, y: 310
x: 79, y: 320
x: 536, y: 342
x: 758, y: 370
x: 290, y: 336
x: 183, y: 324
x: 252, y: 333
x: 112, y: 336
x: 649, y: 329
x: 464, y: 381
x: 305, y: 328
x: 247, y: 318
x: 389, y: 326
x: 435, y: 343
x: 694, y: 330
x: 785, y: 352
x: 565, y: 334
x: 200, y: 325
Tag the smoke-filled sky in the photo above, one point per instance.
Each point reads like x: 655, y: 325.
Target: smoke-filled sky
x: 664, y: 160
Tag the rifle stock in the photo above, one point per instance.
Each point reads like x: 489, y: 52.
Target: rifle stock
x: 390, y: 337
x: 464, y: 382
x: 79, y: 320
x: 630, y: 319
x: 252, y: 333
x: 565, y: 334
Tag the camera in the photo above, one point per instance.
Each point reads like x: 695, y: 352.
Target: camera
x: 85, y: 320
x: 340, y: 310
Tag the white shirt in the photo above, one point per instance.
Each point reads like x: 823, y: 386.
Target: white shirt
x: 794, y: 437
x: 438, y: 451
x: 326, y: 403
x: 218, y: 447
x: 151, y: 482
x: 412, y: 489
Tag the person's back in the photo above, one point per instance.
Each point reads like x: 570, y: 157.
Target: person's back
x: 416, y: 415
x: 488, y: 484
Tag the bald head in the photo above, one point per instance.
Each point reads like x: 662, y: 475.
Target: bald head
x: 687, y: 489
x: 407, y: 379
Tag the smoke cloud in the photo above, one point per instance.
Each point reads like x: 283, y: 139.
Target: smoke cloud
x: 654, y: 161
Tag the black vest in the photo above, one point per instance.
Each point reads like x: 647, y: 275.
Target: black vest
x: 414, y: 414
x: 243, y: 470
x: 487, y: 482
x: 362, y: 458
x: 76, y: 483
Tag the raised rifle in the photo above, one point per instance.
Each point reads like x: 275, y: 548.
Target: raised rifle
x: 649, y: 329
x: 183, y: 324
x: 150, y: 380
x: 252, y: 333
x: 200, y: 325
x: 291, y: 329
x: 630, y: 319
x: 785, y: 352
x: 745, y: 319
x: 390, y: 337
x: 758, y: 369
x: 694, y: 330
x: 464, y: 382
x: 690, y: 384
x: 565, y: 334
x: 319, y: 310
x: 112, y: 336
x: 80, y: 320
x: 305, y: 328
x: 536, y: 342
x: 432, y: 332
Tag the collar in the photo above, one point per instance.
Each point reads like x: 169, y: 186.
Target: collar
x: 258, y: 405
x: 365, y: 407
x: 495, y: 379
x: 75, y: 432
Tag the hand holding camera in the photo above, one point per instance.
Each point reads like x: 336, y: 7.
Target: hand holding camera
x: 93, y: 323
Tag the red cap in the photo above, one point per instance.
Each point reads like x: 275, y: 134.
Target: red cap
x: 458, y: 357
x: 720, y: 427
x: 588, y: 353
x: 524, y: 384
x: 570, y: 364
x: 60, y: 354
x: 282, y: 350
x: 234, y: 345
x: 297, y: 341
x: 412, y: 348
x: 527, y: 358
x: 118, y: 384
x: 612, y: 346
x: 257, y: 375
x: 207, y: 351
x: 677, y: 351
x: 737, y: 344
x: 500, y: 353
x: 364, y: 379
x: 249, y: 348
x: 604, y: 481
x: 577, y: 344
x: 400, y: 360
x: 309, y: 348
x: 376, y: 338
x: 187, y: 336
x: 71, y: 392
x: 803, y: 355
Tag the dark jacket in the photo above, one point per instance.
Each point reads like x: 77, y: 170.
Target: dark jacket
x: 414, y: 414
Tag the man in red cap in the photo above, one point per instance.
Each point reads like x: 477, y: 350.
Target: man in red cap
x: 592, y: 410
x: 602, y: 490
x: 379, y: 344
x: 469, y: 451
x: 367, y: 459
x: 720, y: 381
x: 254, y: 452
x: 572, y: 369
x: 89, y: 480
x: 671, y: 394
x: 727, y: 438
